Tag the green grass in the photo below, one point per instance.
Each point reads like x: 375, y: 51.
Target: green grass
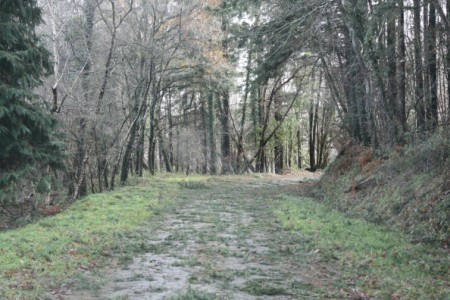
x: 193, y: 185
x: 83, y: 238
x: 262, y: 287
x: 192, y: 294
x: 340, y: 255
x: 407, y: 188
x: 360, y: 255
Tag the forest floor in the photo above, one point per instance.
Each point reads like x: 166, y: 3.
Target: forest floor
x: 246, y: 237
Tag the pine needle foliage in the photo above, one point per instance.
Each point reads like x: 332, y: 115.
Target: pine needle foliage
x: 27, y: 133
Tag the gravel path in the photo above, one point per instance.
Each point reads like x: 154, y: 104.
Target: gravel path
x: 219, y: 240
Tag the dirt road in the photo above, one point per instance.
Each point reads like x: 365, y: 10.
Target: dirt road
x: 219, y: 240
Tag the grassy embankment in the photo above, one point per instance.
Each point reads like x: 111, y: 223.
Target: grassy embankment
x: 391, y: 235
x: 407, y: 189
x: 100, y: 230
x: 364, y: 259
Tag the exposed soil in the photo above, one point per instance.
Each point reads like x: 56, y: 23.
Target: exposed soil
x: 219, y: 240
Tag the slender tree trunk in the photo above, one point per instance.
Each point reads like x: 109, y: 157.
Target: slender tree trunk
x: 240, y: 145
x: 98, y: 155
x: 321, y: 136
x: 133, y: 137
x: 81, y: 156
x: 54, y: 12
x: 278, y: 150
x: 152, y: 136
x: 432, y: 107
x: 313, y: 122
x: 299, y: 149
x: 178, y: 165
x: 170, y: 124
x: 392, y: 71
x: 226, y: 142
x: 426, y: 69
x: 225, y: 118
x: 127, y: 156
x: 402, y: 67
x: 261, y: 158
x: 316, y: 131
x: 291, y: 149
x: 418, y: 66
x: 353, y: 94
x: 205, y: 135
x: 140, y: 148
x: 261, y: 162
x: 312, y: 137
x: 448, y: 64
x: 164, y: 153
x: 327, y: 115
x: 255, y: 113
x: 211, y: 131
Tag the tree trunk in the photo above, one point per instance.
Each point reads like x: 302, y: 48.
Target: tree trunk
x: 170, y: 124
x: 81, y: 156
x: 426, y: 68
x: 312, y: 137
x: 240, y: 145
x: 261, y: 158
x: 211, y: 131
x: 313, y: 122
x: 152, y: 137
x: 418, y: 66
x: 140, y: 148
x: 360, y: 89
x: 291, y: 149
x: 448, y: 64
x: 261, y: 162
x: 127, y: 156
x: 205, y: 135
x: 402, y: 67
x: 392, y: 74
x: 278, y: 150
x: 432, y: 107
x: 225, y: 118
x: 226, y: 142
x: 164, y: 153
x: 278, y: 153
x: 299, y: 150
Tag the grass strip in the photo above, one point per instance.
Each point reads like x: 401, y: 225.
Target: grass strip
x: 44, y: 255
x: 364, y: 258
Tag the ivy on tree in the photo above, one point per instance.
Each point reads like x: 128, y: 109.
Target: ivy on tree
x: 27, y: 133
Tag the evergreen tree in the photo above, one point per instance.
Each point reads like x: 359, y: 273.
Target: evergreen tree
x: 27, y: 132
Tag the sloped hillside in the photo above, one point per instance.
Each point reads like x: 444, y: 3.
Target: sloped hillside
x: 409, y: 188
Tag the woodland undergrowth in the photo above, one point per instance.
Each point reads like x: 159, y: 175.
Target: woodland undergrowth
x: 407, y: 188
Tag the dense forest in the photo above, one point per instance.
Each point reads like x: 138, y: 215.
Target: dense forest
x: 95, y: 92
x: 224, y: 149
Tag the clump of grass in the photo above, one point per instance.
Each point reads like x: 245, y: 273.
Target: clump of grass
x: 192, y: 294
x: 193, y: 185
x: 260, y: 287
x: 78, y: 240
x: 381, y: 262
